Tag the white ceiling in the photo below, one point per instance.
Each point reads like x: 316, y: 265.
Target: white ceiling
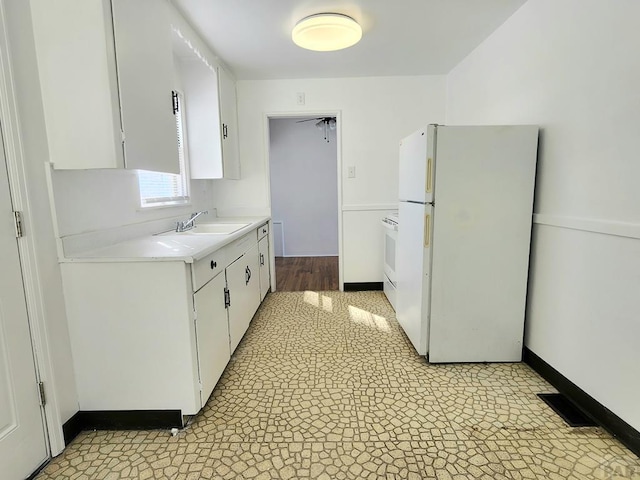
x: 400, y: 37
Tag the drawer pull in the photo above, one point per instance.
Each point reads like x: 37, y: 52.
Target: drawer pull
x: 264, y: 230
x: 213, y: 264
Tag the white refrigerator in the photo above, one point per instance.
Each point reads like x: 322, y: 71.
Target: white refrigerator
x: 465, y: 212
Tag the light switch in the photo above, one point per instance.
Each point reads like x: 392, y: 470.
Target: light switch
x: 300, y: 98
x: 351, y: 171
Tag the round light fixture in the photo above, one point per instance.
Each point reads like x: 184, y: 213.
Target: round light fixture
x: 325, y: 32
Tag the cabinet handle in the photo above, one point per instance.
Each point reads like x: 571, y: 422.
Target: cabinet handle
x: 213, y: 264
x: 247, y: 274
x: 175, y: 102
x: 261, y: 259
x: 224, y: 130
x: 427, y: 230
x: 264, y: 230
x: 429, y: 174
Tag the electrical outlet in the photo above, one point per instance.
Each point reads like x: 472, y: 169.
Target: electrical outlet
x: 300, y: 98
x: 351, y: 171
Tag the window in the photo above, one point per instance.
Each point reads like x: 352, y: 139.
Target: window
x: 159, y: 189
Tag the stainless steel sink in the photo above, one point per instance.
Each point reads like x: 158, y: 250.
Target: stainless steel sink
x: 214, y: 229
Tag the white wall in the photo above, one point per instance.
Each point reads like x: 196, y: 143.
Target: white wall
x: 304, y: 186
x: 35, y: 149
x: 376, y: 113
x: 92, y: 200
x: 573, y: 68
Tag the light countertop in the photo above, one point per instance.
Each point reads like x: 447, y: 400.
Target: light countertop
x: 168, y: 246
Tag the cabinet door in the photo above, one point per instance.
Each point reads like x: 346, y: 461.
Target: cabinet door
x: 200, y: 85
x: 265, y: 276
x: 243, y: 282
x: 229, y: 125
x: 212, y: 333
x: 144, y: 56
x: 77, y: 73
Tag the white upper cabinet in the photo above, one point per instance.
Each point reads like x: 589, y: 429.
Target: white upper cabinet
x: 77, y: 68
x: 229, y: 125
x: 210, y: 110
x: 104, y: 78
x: 198, y: 81
x: 144, y: 56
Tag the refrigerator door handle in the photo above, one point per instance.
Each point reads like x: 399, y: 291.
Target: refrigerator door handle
x: 429, y: 175
x: 427, y: 230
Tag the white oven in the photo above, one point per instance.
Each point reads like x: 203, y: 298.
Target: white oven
x: 390, y: 224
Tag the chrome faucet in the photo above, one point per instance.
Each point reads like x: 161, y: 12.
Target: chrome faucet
x: 189, y: 224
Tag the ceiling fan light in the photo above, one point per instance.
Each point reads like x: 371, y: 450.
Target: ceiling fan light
x: 326, y: 32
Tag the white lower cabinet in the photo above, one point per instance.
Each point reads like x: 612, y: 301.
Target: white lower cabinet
x: 212, y: 333
x: 265, y: 268
x: 157, y: 335
x: 133, y: 335
x: 243, y: 283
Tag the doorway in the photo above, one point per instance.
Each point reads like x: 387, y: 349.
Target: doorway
x: 23, y: 446
x: 304, y: 186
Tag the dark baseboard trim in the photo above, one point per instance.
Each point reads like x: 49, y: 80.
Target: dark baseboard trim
x: 38, y: 470
x: 363, y: 286
x: 604, y: 417
x: 72, y: 428
x: 132, y: 419
x: 120, y: 420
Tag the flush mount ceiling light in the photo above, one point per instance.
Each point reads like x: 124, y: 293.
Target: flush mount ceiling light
x: 325, y: 32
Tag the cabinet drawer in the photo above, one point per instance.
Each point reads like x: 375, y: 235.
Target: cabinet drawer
x: 207, y: 268
x: 263, y: 231
x: 241, y: 245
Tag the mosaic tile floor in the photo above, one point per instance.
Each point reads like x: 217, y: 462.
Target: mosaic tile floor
x: 326, y: 386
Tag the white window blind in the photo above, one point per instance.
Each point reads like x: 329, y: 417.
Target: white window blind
x: 158, y: 188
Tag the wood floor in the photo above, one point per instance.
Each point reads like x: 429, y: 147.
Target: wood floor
x: 295, y: 274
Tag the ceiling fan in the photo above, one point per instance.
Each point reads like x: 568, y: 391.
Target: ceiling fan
x: 324, y: 123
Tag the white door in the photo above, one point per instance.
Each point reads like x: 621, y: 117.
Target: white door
x: 243, y: 282
x: 212, y: 329
x: 144, y: 58
x: 413, y: 271
x: 22, y: 435
x: 265, y: 277
x: 417, y: 166
x: 229, y: 125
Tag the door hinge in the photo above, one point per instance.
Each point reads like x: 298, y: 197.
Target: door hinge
x: 227, y: 298
x: 19, y: 225
x: 122, y: 136
x: 43, y: 398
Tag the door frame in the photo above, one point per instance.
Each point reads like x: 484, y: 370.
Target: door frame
x: 267, y: 162
x: 27, y: 249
